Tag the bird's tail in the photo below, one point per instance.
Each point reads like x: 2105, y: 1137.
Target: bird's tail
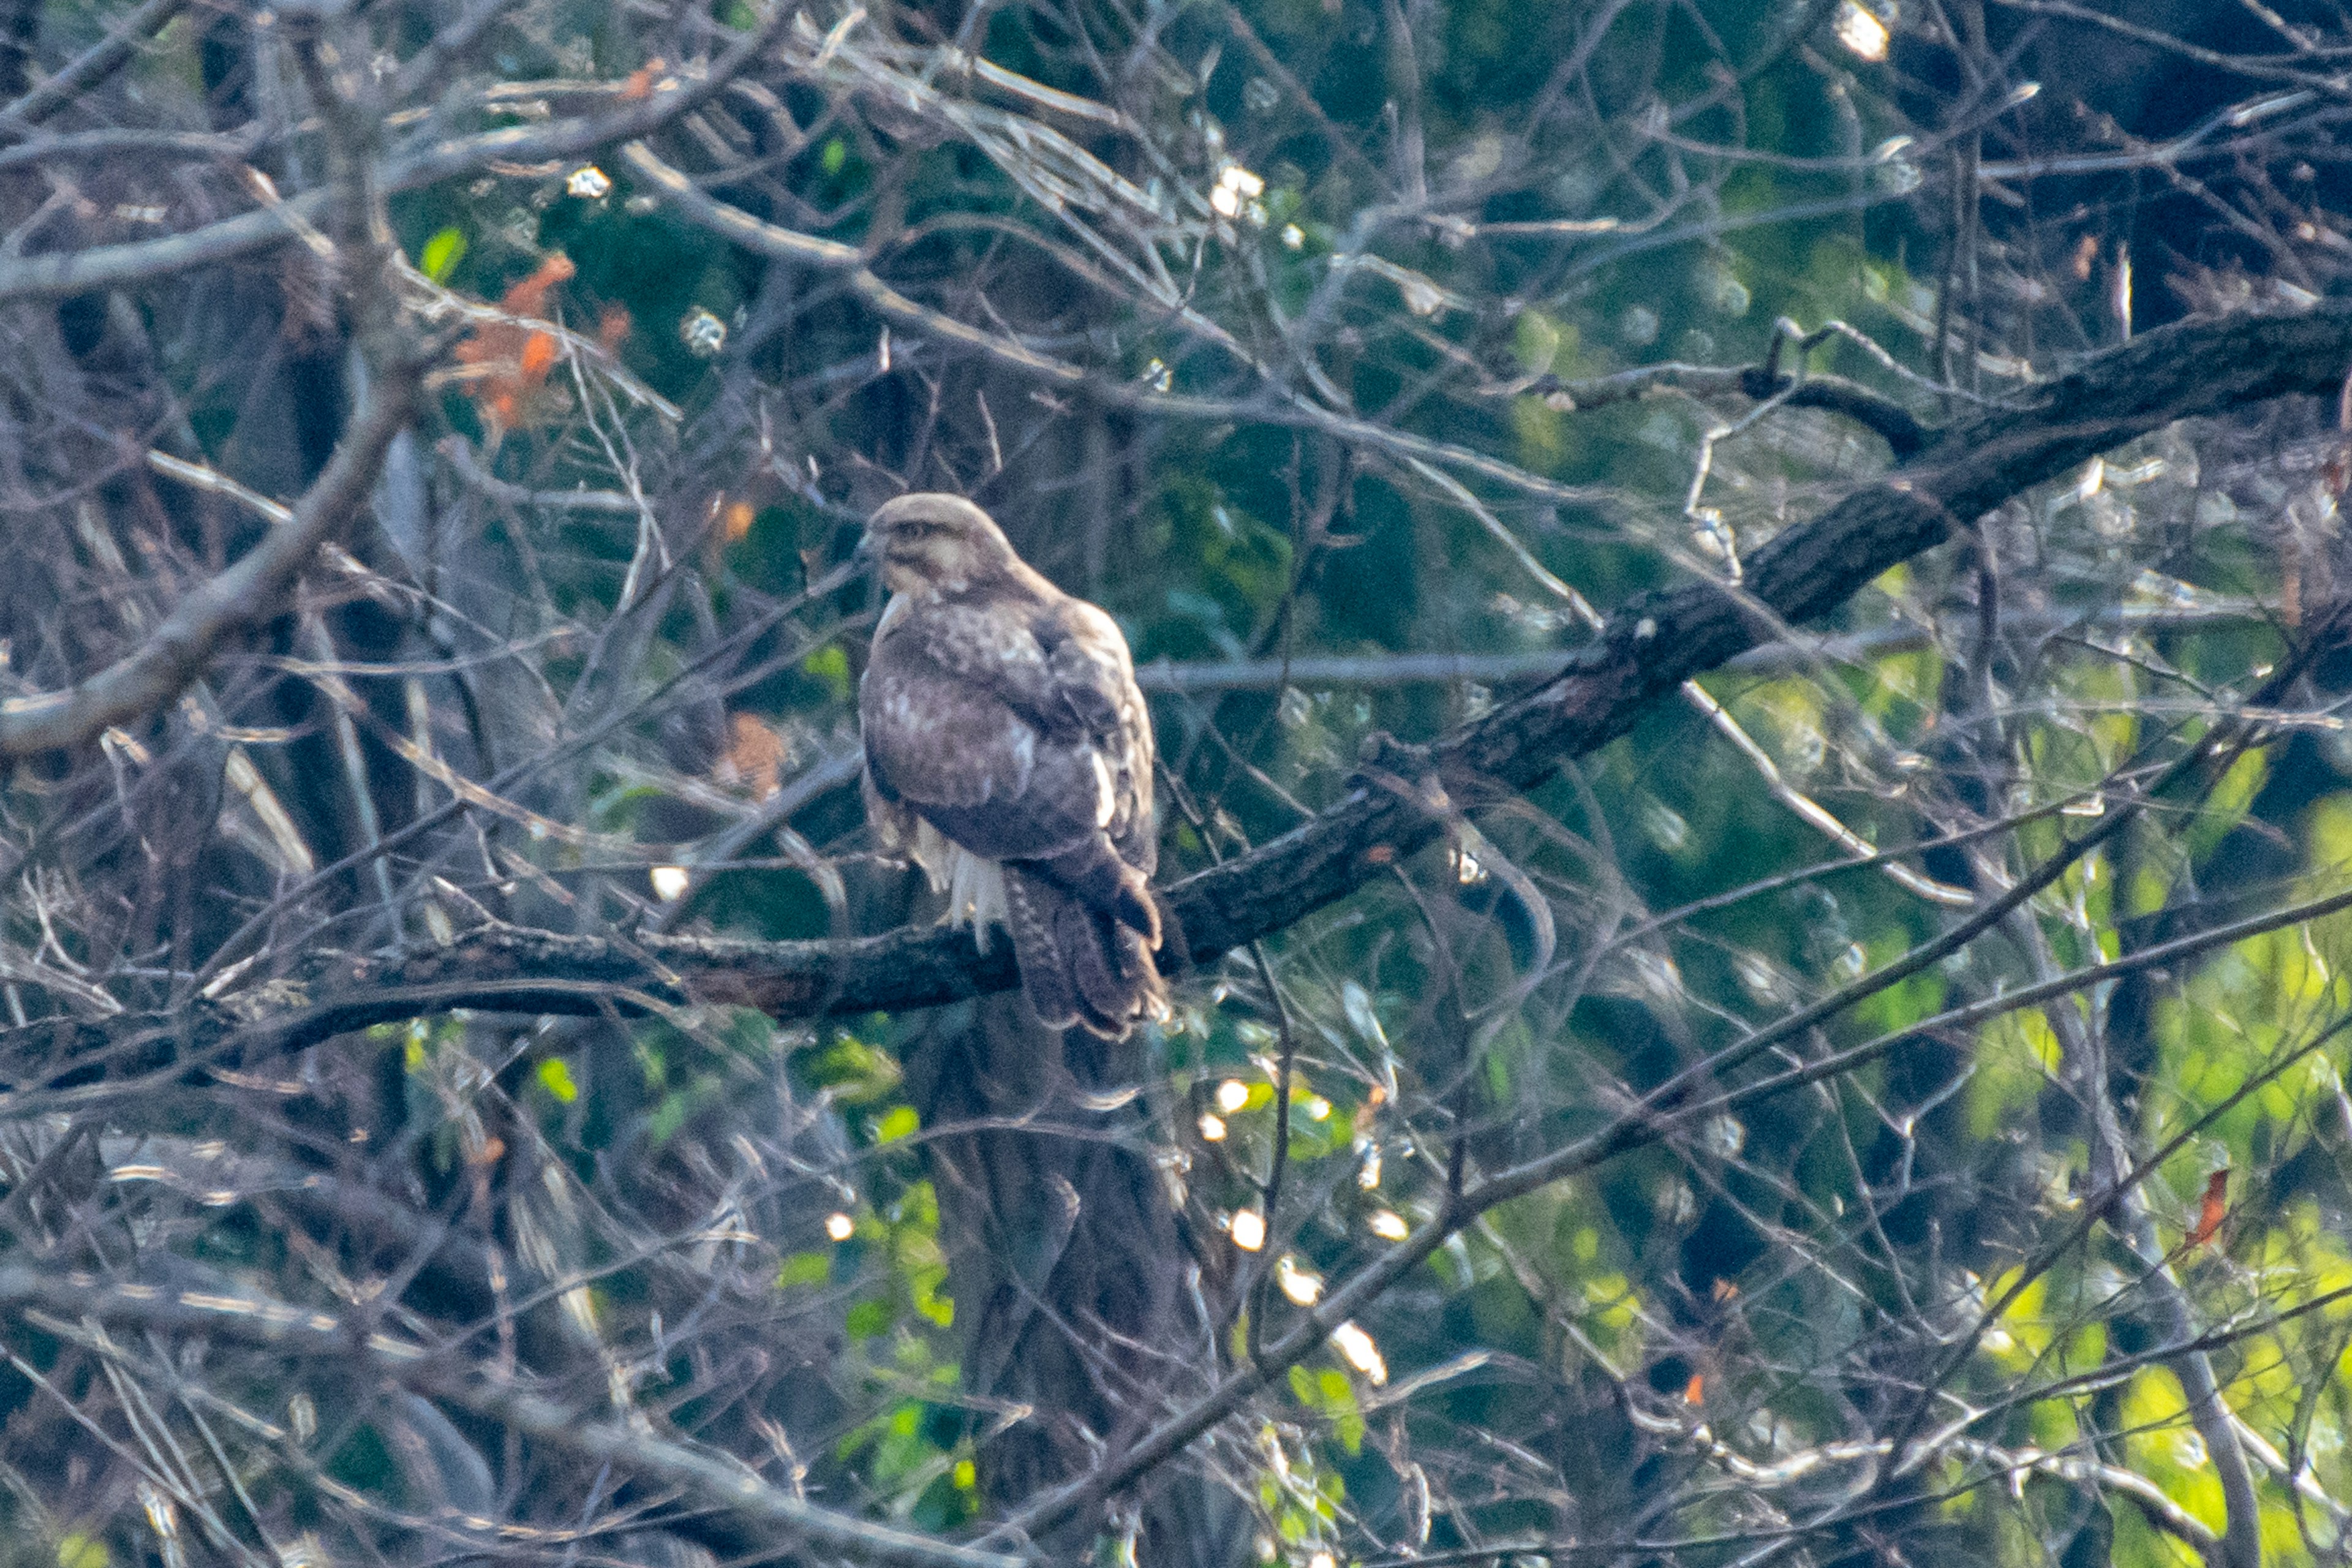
x: 1097, y: 878
x: 1079, y: 964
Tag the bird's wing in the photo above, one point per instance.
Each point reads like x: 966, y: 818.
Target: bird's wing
x: 893, y: 821
x: 1093, y: 680
x: 959, y: 721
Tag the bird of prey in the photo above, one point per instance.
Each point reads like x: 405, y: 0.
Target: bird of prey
x: 1008, y: 754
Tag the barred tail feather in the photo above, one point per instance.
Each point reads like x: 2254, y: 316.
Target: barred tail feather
x: 1142, y: 971
x: 1030, y: 907
x: 1078, y: 964
x: 1110, y: 1002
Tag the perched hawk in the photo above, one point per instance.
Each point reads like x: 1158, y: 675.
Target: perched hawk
x: 1009, y: 753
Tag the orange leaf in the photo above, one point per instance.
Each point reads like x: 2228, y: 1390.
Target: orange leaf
x: 754, y: 759
x: 2086, y: 250
x: 2210, y: 1209
x: 528, y: 296
x: 538, y: 356
x: 1694, y: 1390
x: 513, y: 358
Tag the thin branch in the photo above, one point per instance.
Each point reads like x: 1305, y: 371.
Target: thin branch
x: 1308, y: 672
x: 1653, y: 1119
x: 1276, y: 408
x: 717, y: 1480
x: 64, y: 272
x: 95, y: 64
x: 1644, y: 652
x: 247, y: 593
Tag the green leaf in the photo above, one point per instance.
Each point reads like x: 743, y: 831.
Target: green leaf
x: 555, y: 1077
x: 830, y: 665
x: 834, y: 156
x: 924, y: 1288
x: 1537, y: 340
x: 899, y: 1122
x: 805, y: 1269
x: 858, y: 1073
x: 868, y: 1319
x: 664, y: 1121
x: 441, y: 255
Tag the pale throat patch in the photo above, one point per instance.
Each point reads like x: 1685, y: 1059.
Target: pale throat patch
x: 974, y: 887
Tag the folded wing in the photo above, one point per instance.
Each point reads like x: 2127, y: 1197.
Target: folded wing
x: 1017, y: 733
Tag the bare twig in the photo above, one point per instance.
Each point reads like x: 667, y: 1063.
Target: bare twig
x: 251, y: 590
x: 716, y: 1480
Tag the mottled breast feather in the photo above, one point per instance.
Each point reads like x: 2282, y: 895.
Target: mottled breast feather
x: 1009, y: 753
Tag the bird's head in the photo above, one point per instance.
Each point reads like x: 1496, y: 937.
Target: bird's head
x: 929, y: 543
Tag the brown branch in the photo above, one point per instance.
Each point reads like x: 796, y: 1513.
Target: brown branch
x: 1646, y: 650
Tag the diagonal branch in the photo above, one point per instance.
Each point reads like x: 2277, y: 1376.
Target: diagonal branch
x: 251, y: 590
x: 97, y: 63
x: 1646, y: 649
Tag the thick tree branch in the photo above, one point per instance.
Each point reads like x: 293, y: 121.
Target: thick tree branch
x: 1656, y: 642
x: 1647, y: 648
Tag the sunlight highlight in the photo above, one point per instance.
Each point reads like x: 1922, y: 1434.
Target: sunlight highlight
x: 1361, y: 1353
x: 1861, y: 32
